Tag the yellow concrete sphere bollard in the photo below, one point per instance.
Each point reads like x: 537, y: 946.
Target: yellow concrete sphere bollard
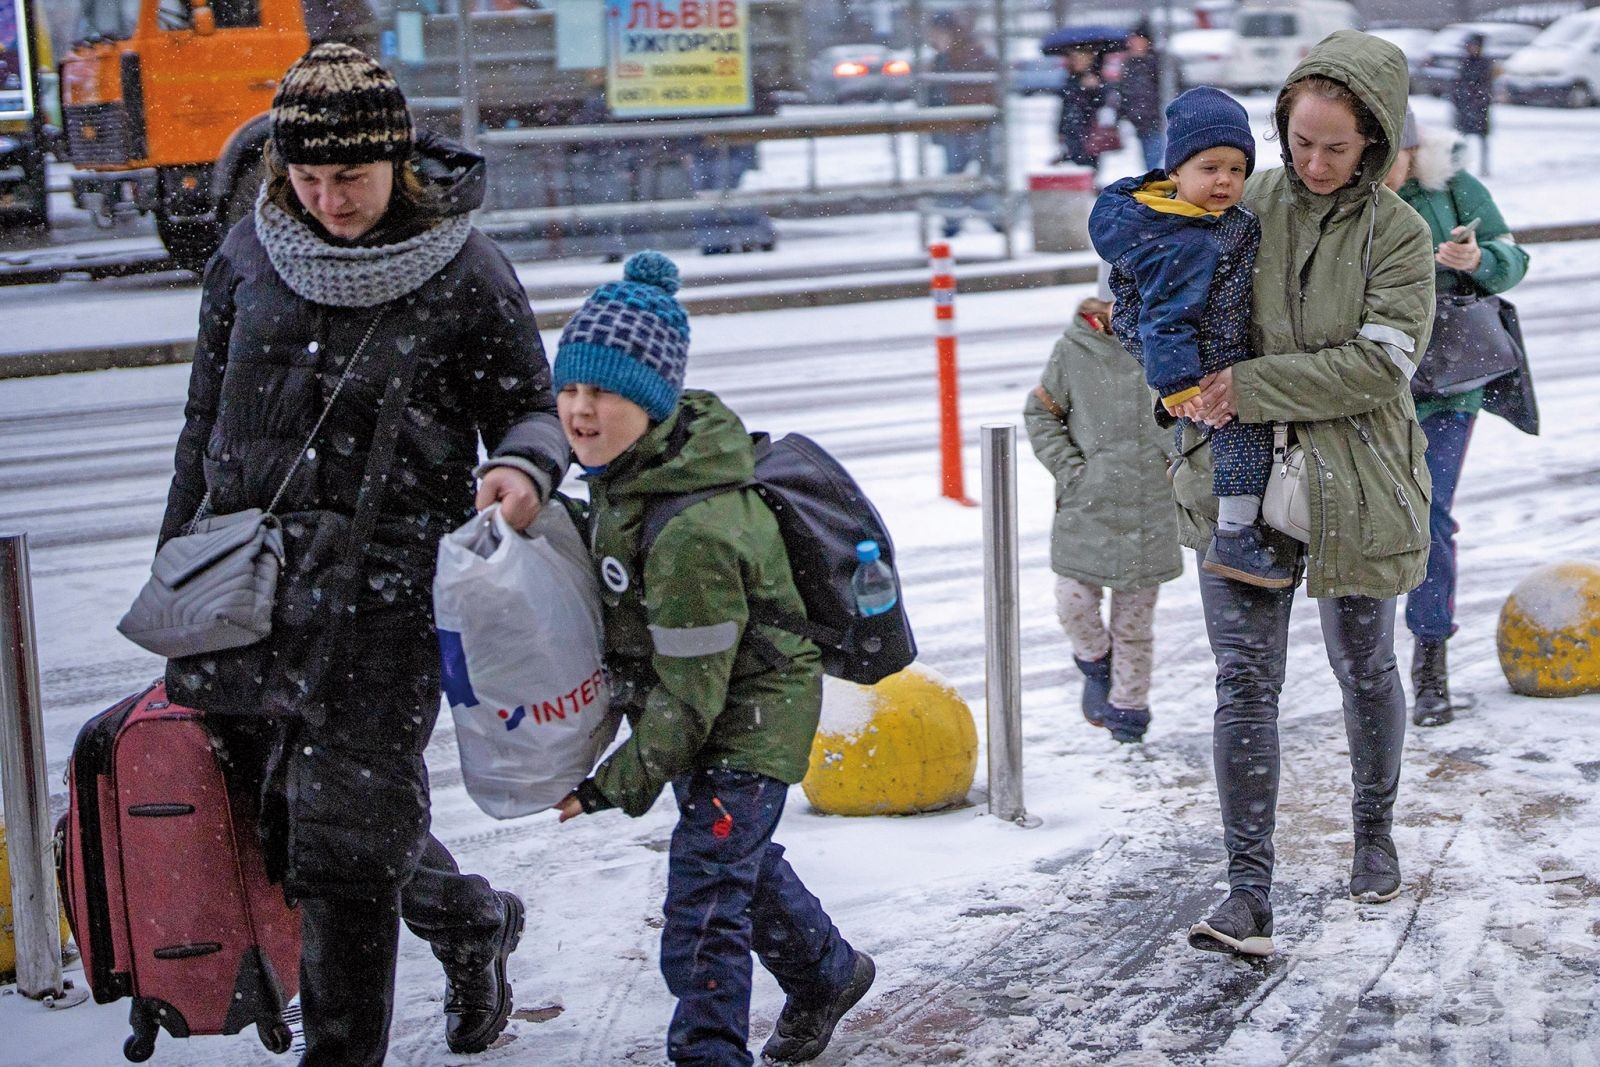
x: 904, y: 745
x: 1549, y: 635
x: 8, y: 930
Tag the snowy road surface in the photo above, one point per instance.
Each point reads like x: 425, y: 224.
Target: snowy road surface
x: 995, y: 945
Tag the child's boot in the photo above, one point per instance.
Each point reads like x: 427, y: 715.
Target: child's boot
x: 1127, y: 725
x: 805, y: 1028
x: 1245, y: 556
x: 1096, y: 688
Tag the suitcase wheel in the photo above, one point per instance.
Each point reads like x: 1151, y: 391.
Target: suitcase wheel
x: 275, y: 1035
x: 142, y: 1042
x: 139, y: 1047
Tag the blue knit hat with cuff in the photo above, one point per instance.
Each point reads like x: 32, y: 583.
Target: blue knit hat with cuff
x: 630, y: 337
x: 1205, y: 118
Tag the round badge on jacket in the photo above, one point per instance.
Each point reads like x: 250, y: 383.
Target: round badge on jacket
x: 614, y: 574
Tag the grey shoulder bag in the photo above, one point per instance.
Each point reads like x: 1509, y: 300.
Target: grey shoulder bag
x: 212, y: 588
x: 1286, y: 503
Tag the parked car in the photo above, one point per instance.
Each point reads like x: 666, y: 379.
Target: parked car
x: 1500, y: 39
x: 1271, y: 37
x: 1413, y: 41
x: 1560, y: 66
x: 859, y: 73
x: 1202, y: 56
x: 1032, y: 71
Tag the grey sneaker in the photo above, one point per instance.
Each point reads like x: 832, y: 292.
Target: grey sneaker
x: 1375, y: 871
x: 1242, y: 926
x: 804, y: 1030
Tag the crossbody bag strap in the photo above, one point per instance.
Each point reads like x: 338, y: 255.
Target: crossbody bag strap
x: 333, y: 398
x: 311, y: 438
x: 1280, y: 442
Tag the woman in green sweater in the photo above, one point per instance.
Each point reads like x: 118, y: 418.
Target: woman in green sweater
x: 1427, y: 174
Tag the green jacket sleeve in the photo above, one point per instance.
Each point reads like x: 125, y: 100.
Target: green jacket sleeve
x: 696, y: 603
x: 1504, y: 261
x: 1052, y: 441
x: 1365, y: 372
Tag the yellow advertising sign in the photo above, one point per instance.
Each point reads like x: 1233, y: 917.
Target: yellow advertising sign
x: 677, y: 57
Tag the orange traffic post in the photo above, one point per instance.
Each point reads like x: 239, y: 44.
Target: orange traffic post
x: 944, y: 333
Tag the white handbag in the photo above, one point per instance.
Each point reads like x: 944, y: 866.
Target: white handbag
x: 1286, y: 504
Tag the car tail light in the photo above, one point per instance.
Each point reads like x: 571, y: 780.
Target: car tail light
x: 849, y: 69
x: 897, y: 66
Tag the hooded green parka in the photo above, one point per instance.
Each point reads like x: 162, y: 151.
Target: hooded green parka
x: 1342, y: 311
x: 695, y: 692
x: 1113, y: 523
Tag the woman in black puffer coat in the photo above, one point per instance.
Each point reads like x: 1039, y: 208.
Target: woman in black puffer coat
x: 363, y: 229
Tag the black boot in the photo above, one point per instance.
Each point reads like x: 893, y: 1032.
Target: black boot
x: 477, y: 996
x: 805, y: 1028
x: 1431, y: 684
x: 1096, y: 688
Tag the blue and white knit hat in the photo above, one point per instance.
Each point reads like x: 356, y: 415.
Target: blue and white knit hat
x: 631, y: 337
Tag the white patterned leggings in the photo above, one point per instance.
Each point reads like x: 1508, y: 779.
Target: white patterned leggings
x: 1131, y: 633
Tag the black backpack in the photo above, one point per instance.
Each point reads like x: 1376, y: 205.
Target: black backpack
x: 822, y: 513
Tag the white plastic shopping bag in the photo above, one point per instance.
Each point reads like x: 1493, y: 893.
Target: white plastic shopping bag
x: 519, y: 627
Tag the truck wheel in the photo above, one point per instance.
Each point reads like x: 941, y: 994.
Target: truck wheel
x: 190, y: 242
x: 241, y: 199
x: 1579, y: 96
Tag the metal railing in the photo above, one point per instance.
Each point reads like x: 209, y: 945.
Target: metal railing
x: 550, y: 152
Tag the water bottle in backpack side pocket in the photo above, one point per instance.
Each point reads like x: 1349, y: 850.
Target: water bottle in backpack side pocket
x: 873, y: 581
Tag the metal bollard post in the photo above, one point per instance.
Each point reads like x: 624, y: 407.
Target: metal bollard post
x: 1002, y: 624
x: 28, y: 839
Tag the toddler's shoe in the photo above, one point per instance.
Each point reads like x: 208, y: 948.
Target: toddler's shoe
x: 1244, y: 556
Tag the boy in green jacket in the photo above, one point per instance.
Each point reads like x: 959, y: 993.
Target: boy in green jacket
x: 721, y: 707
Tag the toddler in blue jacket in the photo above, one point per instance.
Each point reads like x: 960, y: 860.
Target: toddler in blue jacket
x: 1182, y: 250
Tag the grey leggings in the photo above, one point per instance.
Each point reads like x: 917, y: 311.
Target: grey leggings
x: 1249, y: 631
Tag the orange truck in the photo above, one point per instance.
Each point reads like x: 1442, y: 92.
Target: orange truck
x: 166, y: 110
x: 165, y: 102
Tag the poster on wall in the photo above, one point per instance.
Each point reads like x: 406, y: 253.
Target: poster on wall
x: 16, y: 87
x: 669, y: 58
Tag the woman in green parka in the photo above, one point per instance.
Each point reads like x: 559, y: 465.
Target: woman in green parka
x: 1342, y: 307
x: 1427, y: 174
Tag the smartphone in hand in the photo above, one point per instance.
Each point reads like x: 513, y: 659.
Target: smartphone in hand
x: 1466, y: 232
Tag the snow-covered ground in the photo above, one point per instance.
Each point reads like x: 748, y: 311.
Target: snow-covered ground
x: 996, y: 945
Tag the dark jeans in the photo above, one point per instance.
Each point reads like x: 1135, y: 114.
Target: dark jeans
x: 961, y: 150
x: 730, y: 891
x: 1249, y: 631
x: 1431, y: 606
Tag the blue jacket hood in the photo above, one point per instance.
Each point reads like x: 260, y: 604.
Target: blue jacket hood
x: 1119, y: 223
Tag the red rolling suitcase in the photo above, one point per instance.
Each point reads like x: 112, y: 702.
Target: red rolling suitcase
x: 164, y: 882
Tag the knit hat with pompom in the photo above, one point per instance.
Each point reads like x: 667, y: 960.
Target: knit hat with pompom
x: 630, y: 337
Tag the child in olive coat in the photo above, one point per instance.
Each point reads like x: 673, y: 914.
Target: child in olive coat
x: 1090, y: 423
